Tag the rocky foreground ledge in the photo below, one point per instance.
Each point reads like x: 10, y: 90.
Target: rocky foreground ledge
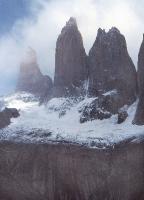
x: 70, y: 172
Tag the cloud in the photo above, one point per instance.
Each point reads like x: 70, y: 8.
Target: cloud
x: 41, y: 31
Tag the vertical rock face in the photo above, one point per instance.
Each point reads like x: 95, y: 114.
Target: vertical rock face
x: 139, y: 117
x: 111, y: 68
x: 70, y: 60
x: 30, y: 77
x: 66, y: 172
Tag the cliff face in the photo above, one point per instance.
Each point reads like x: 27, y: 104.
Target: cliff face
x: 30, y: 77
x: 66, y: 172
x: 110, y: 66
x: 139, y: 117
x: 70, y: 61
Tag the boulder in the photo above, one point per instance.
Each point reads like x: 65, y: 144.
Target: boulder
x: 70, y: 62
x: 122, y: 116
x: 11, y: 112
x: 6, y: 115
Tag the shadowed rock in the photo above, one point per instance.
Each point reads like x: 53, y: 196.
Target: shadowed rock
x: 103, y: 107
x: 97, y: 109
x: 122, y: 116
x: 6, y: 115
x: 70, y: 61
x: 66, y: 172
x: 139, y: 117
x: 111, y: 68
x: 31, y: 79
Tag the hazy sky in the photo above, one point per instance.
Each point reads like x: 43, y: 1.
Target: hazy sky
x: 37, y: 23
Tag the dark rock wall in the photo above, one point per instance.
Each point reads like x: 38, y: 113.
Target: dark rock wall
x: 58, y: 172
x: 70, y: 61
x: 110, y: 66
x: 139, y: 117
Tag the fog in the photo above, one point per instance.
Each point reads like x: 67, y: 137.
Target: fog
x: 42, y: 29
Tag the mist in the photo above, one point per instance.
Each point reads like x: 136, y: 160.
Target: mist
x: 40, y: 31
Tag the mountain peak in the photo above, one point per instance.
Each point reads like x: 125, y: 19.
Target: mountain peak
x: 111, y: 68
x: 114, y: 30
x: 70, y: 61
x: 72, y: 22
x: 30, y: 78
x: 101, y: 31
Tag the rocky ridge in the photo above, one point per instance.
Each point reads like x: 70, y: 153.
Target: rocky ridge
x: 107, y: 68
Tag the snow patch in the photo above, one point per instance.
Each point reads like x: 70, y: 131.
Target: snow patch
x: 111, y: 92
x: 44, y: 124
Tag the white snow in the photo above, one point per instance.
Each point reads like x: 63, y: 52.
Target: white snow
x: 49, y: 123
x: 110, y: 92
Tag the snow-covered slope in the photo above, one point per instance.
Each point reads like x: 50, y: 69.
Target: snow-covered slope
x: 58, y: 121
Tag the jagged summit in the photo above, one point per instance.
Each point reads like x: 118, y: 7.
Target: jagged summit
x: 113, y: 30
x: 71, y: 25
x: 72, y: 22
x: 101, y: 32
x: 113, y: 35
